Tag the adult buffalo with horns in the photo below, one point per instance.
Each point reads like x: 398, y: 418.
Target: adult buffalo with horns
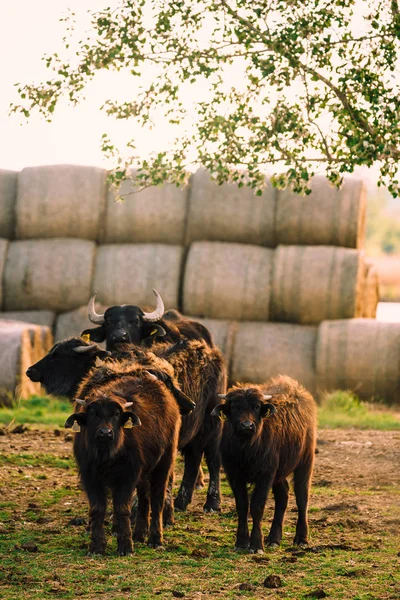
x: 130, y: 324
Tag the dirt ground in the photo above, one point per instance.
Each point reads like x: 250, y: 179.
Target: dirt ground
x: 355, y: 498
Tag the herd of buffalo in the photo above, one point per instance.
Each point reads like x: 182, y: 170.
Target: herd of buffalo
x: 157, y: 389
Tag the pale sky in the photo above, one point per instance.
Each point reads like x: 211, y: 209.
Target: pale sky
x: 28, y: 30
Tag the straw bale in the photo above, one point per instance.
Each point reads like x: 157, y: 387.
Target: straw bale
x: 71, y: 323
x: 3, y: 256
x: 21, y: 345
x: 127, y: 273
x: 48, y: 274
x: 264, y: 350
x: 362, y: 355
x: 37, y: 317
x: 228, y: 281
x: 222, y: 333
x: 327, y: 216
x: 315, y: 283
x: 60, y: 201
x: 156, y: 214
x: 228, y: 213
x: 370, y: 290
x: 8, y: 194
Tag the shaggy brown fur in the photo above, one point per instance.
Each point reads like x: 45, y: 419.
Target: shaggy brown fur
x: 263, y: 442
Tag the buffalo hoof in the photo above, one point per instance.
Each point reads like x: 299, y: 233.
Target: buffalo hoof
x: 125, y: 552
x: 179, y: 505
x: 272, y: 544
x: 300, y: 541
x: 256, y: 551
x: 241, y: 549
x: 212, y: 506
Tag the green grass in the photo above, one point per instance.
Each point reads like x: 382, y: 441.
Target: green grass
x: 344, y: 409
x: 37, y: 410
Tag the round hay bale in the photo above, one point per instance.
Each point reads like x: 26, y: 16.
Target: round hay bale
x: 370, y: 291
x: 362, y: 355
x: 48, y: 274
x: 60, y: 201
x: 327, y: 216
x: 3, y: 256
x: 127, y: 273
x: 228, y: 281
x: 315, y: 283
x: 37, y: 317
x: 156, y: 214
x: 8, y: 193
x: 21, y: 345
x: 71, y: 323
x: 228, y: 213
x: 222, y: 333
x: 264, y: 350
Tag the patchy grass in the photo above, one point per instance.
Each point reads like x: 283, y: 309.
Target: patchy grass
x: 344, y: 409
x: 37, y: 410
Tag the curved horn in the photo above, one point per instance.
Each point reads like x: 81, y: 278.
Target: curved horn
x: 80, y: 401
x: 223, y: 396
x: 128, y: 404
x: 158, y: 312
x: 84, y: 349
x: 92, y: 314
x: 267, y: 397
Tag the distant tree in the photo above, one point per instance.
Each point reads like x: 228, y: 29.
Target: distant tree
x: 320, y: 86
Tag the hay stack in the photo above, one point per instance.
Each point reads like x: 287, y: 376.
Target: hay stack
x: 223, y: 335
x: 156, y: 214
x: 126, y: 274
x: 72, y: 323
x: 3, y: 256
x: 228, y: 281
x: 327, y: 216
x: 8, y: 192
x: 362, y: 355
x: 21, y: 345
x: 37, y: 317
x: 48, y: 274
x: 60, y: 201
x: 229, y: 213
x: 315, y: 283
x: 269, y: 349
x: 370, y: 291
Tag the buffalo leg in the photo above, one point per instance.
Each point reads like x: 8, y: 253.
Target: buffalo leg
x: 142, y: 512
x: 302, y: 482
x: 281, y: 495
x: 200, y: 483
x: 168, y: 511
x: 257, y: 505
x: 213, y: 459
x: 122, y: 500
x: 239, y: 489
x: 158, y: 485
x: 192, y: 456
x: 98, y: 502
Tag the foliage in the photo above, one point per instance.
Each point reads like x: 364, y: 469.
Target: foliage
x: 314, y: 83
x: 344, y: 409
x: 383, y: 228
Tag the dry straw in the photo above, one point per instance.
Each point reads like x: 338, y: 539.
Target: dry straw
x: 48, y: 274
x: 263, y: 350
x: 156, y: 214
x: 21, y: 345
x: 229, y: 213
x: 37, y: 317
x: 362, y: 355
x: 60, y: 201
x: 72, y: 323
x: 3, y: 257
x: 127, y: 273
x: 327, y: 216
x: 315, y: 283
x: 228, y: 281
x: 8, y: 192
x: 222, y: 333
x: 370, y: 290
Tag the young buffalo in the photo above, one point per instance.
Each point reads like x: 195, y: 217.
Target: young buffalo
x: 128, y: 438
x: 262, y: 444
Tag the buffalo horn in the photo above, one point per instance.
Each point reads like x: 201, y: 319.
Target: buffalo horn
x: 84, y: 349
x: 267, y: 397
x: 80, y: 401
x: 158, y: 312
x: 92, y: 314
x: 223, y: 396
x: 128, y: 404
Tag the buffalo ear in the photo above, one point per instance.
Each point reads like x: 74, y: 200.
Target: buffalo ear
x: 134, y: 419
x: 221, y: 411
x: 80, y: 418
x: 267, y: 410
x: 151, y: 331
x: 97, y: 334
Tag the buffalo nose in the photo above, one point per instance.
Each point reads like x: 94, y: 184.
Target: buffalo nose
x: 120, y: 336
x: 105, y: 433
x: 32, y: 374
x: 247, y: 426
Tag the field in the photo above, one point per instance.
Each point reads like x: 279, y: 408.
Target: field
x: 354, y: 521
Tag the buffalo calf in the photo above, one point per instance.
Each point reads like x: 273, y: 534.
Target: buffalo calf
x: 128, y: 438
x: 262, y: 444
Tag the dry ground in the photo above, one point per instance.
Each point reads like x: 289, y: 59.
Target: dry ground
x: 354, y: 521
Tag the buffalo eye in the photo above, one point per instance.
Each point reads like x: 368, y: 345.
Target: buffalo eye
x: 257, y: 407
x: 117, y: 413
x: 137, y: 320
x: 91, y: 412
